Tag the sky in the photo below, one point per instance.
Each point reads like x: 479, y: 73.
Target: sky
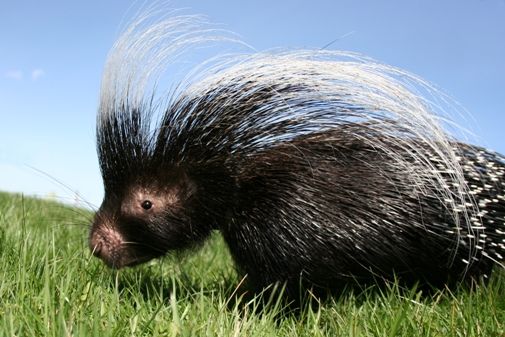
x: 52, y: 54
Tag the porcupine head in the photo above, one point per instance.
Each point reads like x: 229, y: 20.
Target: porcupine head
x: 156, y: 185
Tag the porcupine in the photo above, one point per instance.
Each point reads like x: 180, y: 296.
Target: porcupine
x: 321, y: 166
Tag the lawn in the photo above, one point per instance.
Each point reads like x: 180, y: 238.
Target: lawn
x: 51, y: 286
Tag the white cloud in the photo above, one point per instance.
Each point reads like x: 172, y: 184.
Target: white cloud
x: 18, y: 75
x: 37, y: 73
x: 14, y: 74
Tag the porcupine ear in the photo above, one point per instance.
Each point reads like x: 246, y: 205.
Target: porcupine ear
x: 129, y: 104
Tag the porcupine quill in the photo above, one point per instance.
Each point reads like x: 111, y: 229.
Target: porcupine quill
x: 324, y: 166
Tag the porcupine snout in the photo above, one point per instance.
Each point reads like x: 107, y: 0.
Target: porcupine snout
x: 107, y: 243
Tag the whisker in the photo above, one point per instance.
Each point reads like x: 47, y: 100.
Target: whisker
x: 65, y: 186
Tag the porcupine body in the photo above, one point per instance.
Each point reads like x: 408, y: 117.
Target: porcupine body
x: 320, y: 166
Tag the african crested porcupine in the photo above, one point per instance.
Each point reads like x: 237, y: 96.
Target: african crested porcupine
x: 319, y: 166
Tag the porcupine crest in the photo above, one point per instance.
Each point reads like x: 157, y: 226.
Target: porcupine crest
x: 324, y: 164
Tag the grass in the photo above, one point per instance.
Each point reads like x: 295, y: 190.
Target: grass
x: 51, y: 286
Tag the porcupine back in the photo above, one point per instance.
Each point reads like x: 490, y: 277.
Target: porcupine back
x: 320, y: 164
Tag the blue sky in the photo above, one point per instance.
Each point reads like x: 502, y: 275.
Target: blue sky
x: 52, y: 53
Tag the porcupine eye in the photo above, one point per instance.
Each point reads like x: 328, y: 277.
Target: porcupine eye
x: 146, y: 204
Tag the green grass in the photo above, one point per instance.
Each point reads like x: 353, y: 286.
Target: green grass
x: 51, y: 286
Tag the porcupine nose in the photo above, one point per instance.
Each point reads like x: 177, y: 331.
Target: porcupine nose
x: 95, y: 245
x: 106, y: 244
